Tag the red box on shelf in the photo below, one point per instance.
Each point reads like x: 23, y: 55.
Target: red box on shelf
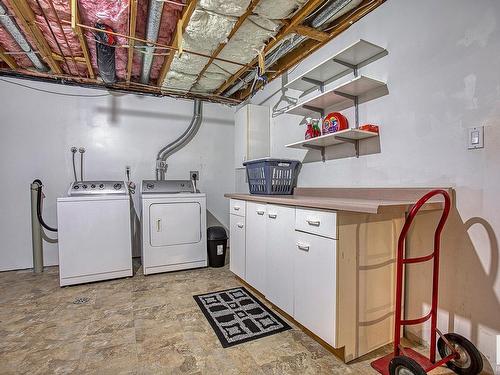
x: 369, y: 128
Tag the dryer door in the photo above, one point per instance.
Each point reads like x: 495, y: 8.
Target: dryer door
x: 175, y: 223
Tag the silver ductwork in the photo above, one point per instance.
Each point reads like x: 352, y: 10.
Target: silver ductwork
x: 14, y: 31
x: 152, y: 30
x: 184, y: 139
x: 331, y: 11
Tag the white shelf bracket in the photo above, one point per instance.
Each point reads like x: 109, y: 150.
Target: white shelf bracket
x: 315, y: 82
x: 317, y: 148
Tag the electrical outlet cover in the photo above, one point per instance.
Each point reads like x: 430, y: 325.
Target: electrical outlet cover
x: 475, y: 138
x: 194, y: 173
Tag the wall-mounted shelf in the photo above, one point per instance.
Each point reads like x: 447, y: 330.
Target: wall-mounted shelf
x: 351, y: 58
x: 358, y: 90
x: 343, y: 96
x: 352, y: 136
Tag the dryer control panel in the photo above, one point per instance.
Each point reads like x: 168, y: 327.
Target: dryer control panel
x: 83, y: 188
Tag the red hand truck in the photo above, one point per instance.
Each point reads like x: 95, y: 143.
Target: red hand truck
x: 458, y: 353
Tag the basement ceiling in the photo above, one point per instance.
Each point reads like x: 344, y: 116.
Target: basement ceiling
x: 217, y: 50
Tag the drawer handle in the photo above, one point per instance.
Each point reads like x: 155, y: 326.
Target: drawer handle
x: 314, y: 223
x: 236, y: 208
x: 272, y: 216
x: 259, y: 212
x: 302, y: 246
x: 240, y: 225
x: 158, y: 225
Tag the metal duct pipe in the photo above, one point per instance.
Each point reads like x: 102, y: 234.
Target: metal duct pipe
x: 333, y: 10
x: 152, y: 30
x: 36, y: 231
x: 184, y: 139
x: 14, y: 31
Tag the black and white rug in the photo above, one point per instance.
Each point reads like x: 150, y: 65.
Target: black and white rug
x: 237, y: 316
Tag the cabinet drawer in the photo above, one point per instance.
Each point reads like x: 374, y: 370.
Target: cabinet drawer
x: 323, y: 223
x: 237, y: 207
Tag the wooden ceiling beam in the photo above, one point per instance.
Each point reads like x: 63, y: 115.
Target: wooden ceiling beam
x: 75, y: 21
x: 312, y: 33
x: 221, y: 46
x: 131, y: 43
x: 9, y: 60
x: 308, y: 47
x: 25, y: 15
x: 288, y: 28
x: 183, y: 21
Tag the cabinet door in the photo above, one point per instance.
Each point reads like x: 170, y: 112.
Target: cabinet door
x: 237, y: 248
x: 259, y: 120
x: 255, y: 272
x: 240, y: 137
x: 315, y: 284
x: 280, y: 246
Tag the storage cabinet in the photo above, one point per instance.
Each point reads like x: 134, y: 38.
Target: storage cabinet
x: 251, y: 133
x: 237, y: 242
x: 315, y: 284
x: 332, y: 271
x: 279, y: 256
x: 255, y: 270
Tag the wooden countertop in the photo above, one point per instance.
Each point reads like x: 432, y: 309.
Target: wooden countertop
x: 363, y: 200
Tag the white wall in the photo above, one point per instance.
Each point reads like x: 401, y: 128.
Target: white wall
x: 443, y: 76
x: 38, y: 129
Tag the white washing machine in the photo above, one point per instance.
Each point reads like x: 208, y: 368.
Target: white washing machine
x: 94, y: 231
x: 173, y: 226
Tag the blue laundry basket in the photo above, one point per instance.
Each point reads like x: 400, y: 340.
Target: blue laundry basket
x: 270, y: 176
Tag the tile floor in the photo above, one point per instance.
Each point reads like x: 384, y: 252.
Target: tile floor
x: 140, y: 325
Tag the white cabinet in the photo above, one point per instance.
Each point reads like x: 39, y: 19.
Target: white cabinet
x: 237, y: 248
x: 251, y: 133
x: 280, y: 245
x: 255, y: 271
x: 315, y: 284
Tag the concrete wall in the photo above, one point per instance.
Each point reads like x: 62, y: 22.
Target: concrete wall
x: 443, y: 77
x: 38, y: 129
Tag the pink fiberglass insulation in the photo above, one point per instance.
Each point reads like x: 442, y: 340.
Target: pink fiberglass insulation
x: 140, y: 32
x: 169, y: 18
x: 9, y: 44
x: 67, y: 49
x: 65, y: 40
x: 113, y: 14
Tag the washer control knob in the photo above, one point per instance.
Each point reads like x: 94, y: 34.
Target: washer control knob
x: 101, y: 186
x: 76, y: 187
x: 84, y: 186
x: 150, y: 186
x: 117, y: 186
x: 92, y: 186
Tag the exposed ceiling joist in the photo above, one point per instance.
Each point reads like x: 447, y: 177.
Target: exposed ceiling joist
x: 131, y: 43
x: 9, y: 60
x: 133, y: 87
x: 308, y: 47
x: 59, y: 25
x: 186, y: 15
x: 236, y: 27
x: 75, y: 18
x: 26, y: 16
x: 288, y: 28
x: 312, y: 33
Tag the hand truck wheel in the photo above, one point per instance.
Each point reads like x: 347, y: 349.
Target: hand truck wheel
x: 402, y: 365
x: 470, y: 361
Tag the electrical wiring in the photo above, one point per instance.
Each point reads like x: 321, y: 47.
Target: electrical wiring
x: 55, y: 92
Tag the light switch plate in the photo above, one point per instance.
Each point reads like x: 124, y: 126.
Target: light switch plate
x: 475, y: 138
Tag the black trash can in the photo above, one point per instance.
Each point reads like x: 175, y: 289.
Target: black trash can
x: 217, y: 246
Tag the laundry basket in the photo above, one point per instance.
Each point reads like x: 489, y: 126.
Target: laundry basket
x: 270, y: 176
